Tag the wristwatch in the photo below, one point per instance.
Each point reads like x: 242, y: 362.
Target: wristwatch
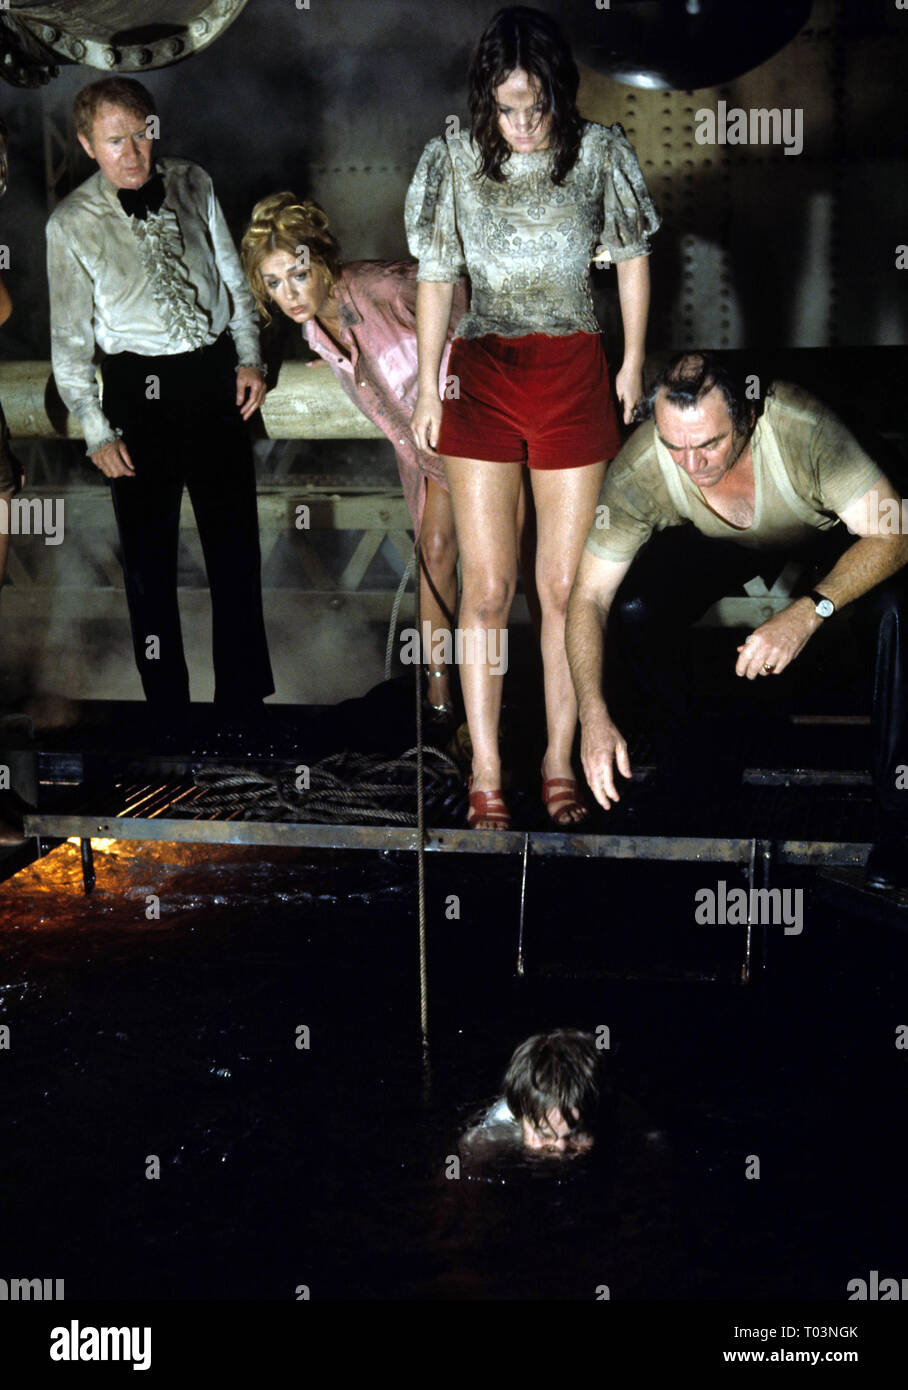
x: 824, y: 606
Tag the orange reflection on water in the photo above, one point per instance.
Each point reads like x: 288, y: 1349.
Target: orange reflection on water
x: 102, y: 846
x: 50, y: 893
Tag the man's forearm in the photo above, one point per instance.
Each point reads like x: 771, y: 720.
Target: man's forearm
x: 585, y: 641
x: 75, y: 380
x: 72, y: 339
x: 862, y: 566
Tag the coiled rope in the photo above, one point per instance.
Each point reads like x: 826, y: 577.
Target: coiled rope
x: 343, y: 789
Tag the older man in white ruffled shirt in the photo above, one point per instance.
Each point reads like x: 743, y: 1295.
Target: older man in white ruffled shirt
x: 142, y: 266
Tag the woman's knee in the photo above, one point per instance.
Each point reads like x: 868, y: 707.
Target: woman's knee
x: 488, y: 597
x: 554, y: 593
x: 439, y: 550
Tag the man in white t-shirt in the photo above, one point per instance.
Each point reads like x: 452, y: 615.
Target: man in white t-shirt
x: 706, y: 492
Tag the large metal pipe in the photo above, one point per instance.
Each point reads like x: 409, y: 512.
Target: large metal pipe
x: 306, y: 403
x: 113, y: 35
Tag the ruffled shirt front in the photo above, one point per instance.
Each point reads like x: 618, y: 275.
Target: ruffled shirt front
x: 161, y: 251
x: 527, y: 243
x: 169, y: 284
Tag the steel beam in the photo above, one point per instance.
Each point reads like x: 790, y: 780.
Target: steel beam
x: 667, y: 848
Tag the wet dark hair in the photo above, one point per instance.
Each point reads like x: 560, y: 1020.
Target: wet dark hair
x: 689, y: 376
x: 4, y: 158
x: 559, y: 1069
x: 520, y: 37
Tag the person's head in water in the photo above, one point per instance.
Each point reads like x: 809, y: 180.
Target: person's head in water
x: 553, y: 1087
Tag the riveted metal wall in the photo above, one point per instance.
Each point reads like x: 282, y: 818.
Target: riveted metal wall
x: 764, y: 248
x: 337, y: 101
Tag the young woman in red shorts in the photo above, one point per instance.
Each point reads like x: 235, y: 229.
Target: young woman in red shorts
x: 522, y: 204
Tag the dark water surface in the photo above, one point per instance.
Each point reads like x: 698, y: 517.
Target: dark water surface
x: 325, y: 1166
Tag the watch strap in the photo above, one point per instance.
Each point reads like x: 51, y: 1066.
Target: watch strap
x: 818, y: 598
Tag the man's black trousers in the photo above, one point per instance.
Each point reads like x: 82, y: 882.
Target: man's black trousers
x: 680, y: 574
x: 179, y: 420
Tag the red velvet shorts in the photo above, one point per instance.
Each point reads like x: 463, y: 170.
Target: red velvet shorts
x: 541, y: 400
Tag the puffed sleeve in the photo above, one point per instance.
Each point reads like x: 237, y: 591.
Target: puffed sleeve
x: 629, y: 218
x: 431, y: 218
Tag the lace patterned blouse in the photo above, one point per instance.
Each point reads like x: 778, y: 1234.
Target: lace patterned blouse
x: 526, y: 243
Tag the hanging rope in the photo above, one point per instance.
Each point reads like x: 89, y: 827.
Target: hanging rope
x: 421, y: 841
x: 415, y: 562
x: 392, y: 626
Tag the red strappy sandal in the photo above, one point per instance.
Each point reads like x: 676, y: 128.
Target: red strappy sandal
x: 488, y: 806
x: 566, y: 791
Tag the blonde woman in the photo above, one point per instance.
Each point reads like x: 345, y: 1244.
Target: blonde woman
x: 361, y: 319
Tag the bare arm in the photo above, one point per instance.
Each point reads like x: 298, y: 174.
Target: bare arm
x: 433, y: 314
x: 602, y: 747
x: 872, y: 558
x: 633, y: 294
x: 6, y: 304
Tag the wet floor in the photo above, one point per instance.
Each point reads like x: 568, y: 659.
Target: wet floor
x: 256, y: 1046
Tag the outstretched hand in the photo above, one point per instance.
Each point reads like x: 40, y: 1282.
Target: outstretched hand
x: 603, y: 750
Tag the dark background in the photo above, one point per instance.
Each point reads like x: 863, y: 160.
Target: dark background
x: 337, y: 101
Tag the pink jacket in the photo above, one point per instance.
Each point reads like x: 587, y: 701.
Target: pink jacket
x: 377, y: 312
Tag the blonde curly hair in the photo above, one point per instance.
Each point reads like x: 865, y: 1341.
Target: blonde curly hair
x: 283, y: 222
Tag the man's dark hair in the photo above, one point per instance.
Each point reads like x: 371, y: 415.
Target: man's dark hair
x: 4, y: 158
x: 689, y: 376
x: 111, y: 91
x: 559, y: 1069
x: 520, y: 37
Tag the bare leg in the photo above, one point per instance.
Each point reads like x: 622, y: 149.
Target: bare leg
x: 565, y: 507
x: 437, y: 582
x: 484, y: 496
x: 526, y: 549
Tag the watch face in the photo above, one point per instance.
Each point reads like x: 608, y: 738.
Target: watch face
x: 825, y: 608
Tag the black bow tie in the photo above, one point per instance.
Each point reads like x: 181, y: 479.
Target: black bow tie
x: 139, y: 202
